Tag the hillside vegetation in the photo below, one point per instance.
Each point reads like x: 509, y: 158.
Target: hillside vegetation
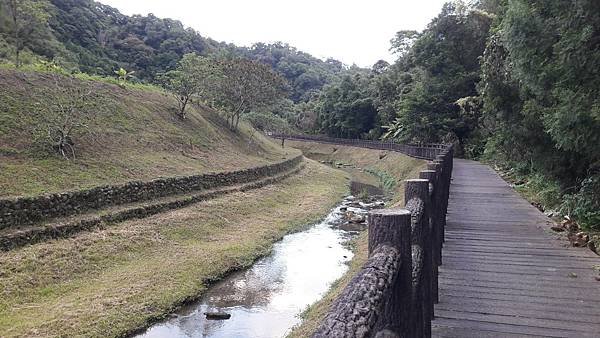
x: 136, y: 135
x: 87, y: 36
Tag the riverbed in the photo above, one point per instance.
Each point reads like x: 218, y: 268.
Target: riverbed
x: 266, y: 300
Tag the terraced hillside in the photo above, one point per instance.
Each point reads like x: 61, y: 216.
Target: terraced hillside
x: 136, y: 137
x: 148, y: 214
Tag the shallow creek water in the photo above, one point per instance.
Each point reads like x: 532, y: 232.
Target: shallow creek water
x: 266, y: 299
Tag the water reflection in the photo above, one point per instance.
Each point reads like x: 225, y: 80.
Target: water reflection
x: 265, y: 300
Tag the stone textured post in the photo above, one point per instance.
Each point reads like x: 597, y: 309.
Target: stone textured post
x: 416, y: 197
x: 435, y: 245
x: 392, y: 227
x: 440, y: 217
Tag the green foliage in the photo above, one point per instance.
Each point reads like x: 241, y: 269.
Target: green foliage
x: 123, y: 76
x: 388, y: 182
x: 25, y: 25
x: 86, y: 36
x: 194, y: 76
x: 306, y: 74
x: 584, y: 205
x: 437, y: 68
x: 540, y: 90
x: 346, y: 109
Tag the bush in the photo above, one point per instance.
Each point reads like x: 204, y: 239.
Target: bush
x: 584, y: 205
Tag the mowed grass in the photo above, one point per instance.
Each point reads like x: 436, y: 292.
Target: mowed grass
x: 394, y: 165
x: 108, y: 283
x: 137, y: 136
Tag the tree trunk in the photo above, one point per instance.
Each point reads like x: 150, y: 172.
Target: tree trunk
x: 182, y: 111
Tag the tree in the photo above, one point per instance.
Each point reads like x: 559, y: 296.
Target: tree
x: 346, y: 109
x: 437, y: 68
x: 192, y: 77
x: 27, y: 20
x: 244, y: 85
x: 403, y: 41
x: 72, y: 108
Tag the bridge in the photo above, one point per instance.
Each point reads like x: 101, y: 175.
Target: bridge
x: 501, y: 272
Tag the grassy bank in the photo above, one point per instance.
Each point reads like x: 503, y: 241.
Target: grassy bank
x: 377, y: 164
x: 386, y: 168
x: 106, y: 283
x: 136, y: 136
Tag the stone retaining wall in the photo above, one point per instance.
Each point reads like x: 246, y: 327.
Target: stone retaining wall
x: 29, y: 210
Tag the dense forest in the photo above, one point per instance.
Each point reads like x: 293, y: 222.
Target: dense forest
x: 86, y: 36
x: 515, y: 82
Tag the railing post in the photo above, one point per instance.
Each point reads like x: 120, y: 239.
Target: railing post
x: 432, y: 176
x: 446, y: 173
x: 438, y: 195
x: 416, y: 196
x: 393, y: 227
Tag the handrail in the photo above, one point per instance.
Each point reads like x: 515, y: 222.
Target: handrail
x: 426, y: 151
x: 393, y: 295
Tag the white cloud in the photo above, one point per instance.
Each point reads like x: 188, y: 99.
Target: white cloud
x: 351, y: 31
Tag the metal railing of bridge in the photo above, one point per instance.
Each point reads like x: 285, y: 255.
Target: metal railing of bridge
x: 393, y: 295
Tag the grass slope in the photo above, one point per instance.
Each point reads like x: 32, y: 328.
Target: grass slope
x: 390, y: 168
x: 109, y: 282
x: 139, y: 137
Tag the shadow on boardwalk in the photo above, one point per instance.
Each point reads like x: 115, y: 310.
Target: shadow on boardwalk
x: 503, y: 274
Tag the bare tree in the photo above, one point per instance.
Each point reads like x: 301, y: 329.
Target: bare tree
x: 245, y: 86
x: 65, y: 112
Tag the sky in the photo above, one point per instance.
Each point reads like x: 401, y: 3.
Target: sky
x: 354, y: 32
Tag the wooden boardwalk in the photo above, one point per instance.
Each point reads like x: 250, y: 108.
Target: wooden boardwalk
x: 504, y: 274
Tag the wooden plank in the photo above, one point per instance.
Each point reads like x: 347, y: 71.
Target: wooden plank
x: 521, y: 321
x: 504, y: 274
x: 503, y: 330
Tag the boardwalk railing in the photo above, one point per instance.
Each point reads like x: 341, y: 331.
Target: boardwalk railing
x: 394, y: 293
x: 423, y: 151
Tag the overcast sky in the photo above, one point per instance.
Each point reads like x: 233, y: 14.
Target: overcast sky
x: 351, y: 31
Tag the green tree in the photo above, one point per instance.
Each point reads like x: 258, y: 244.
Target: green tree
x: 194, y: 76
x: 437, y: 68
x: 346, y: 109
x: 27, y: 20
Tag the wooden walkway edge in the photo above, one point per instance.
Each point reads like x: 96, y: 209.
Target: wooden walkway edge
x: 504, y: 274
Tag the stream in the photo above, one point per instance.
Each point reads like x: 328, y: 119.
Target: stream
x: 266, y: 299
